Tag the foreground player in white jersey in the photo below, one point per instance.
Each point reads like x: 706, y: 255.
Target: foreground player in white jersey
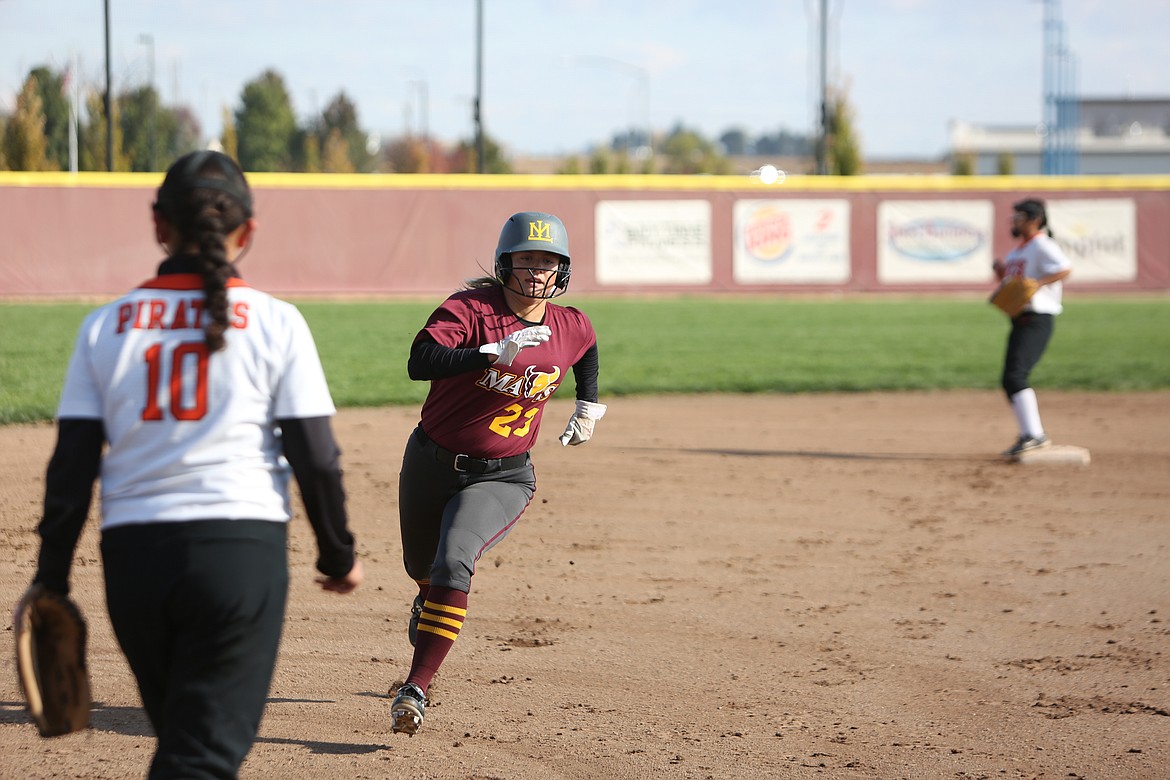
x: 1040, y: 258
x: 206, y: 390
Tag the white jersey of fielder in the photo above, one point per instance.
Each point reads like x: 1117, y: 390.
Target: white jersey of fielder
x: 192, y: 434
x: 1036, y: 258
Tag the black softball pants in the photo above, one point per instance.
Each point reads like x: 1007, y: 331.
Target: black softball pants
x: 198, y: 608
x: 1027, y: 341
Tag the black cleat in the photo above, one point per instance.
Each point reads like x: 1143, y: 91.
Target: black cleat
x: 1026, y: 444
x: 408, y: 710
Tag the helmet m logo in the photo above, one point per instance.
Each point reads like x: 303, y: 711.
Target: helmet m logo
x: 540, y: 231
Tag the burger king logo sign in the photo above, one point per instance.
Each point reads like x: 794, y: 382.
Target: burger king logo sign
x: 767, y: 234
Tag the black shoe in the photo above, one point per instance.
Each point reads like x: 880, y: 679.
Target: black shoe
x: 412, y: 627
x: 1027, y: 443
x: 408, y: 710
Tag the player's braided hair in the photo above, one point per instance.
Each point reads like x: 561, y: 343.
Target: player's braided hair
x: 205, y: 197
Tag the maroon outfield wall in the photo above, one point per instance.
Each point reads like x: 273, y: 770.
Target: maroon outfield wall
x: 90, y: 234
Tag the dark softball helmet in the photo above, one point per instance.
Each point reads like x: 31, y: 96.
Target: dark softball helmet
x: 530, y: 231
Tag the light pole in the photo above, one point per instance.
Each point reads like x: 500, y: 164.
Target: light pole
x: 822, y: 148
x: 108, y: 102
x: 148, y: 40
x: 479, y: 165
x: 417, y: 82
x: 421, y: 86
x: 643, y: 78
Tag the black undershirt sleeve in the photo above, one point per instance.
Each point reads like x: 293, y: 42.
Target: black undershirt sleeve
x: 585, y: 373
x: 429, y: 360
x: 315, y: 458
x: 69, y: 480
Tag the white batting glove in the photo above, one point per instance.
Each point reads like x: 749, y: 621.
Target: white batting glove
x: 507, y: 348
x: 580, y: 428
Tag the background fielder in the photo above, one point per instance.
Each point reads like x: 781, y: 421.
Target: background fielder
x: 1040, y: 258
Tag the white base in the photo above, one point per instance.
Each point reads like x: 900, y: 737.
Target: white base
x: 1055, y: 453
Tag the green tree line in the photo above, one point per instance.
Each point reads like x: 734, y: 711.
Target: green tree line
x: 263, y: 133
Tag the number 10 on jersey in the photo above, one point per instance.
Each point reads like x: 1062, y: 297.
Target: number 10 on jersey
x: 186, y: 383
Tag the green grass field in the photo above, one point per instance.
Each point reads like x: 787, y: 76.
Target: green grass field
x: 692, y: 345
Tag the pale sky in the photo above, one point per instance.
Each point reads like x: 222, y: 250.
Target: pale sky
x: 561, y: 75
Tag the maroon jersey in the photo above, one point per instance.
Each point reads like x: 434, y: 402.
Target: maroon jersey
x: 495, y: 412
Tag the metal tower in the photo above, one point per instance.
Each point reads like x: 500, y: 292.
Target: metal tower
x: 1061, y: 119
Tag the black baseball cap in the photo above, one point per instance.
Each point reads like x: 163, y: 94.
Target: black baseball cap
x: 184, y: 176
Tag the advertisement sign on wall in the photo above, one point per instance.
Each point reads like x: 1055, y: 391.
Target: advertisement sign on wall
x: 934, y: 241
x: 791, y: 241
x: 1099, y: 237
x: 653, y: 242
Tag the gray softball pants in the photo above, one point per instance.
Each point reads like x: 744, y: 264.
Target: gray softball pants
x: 449, y: 518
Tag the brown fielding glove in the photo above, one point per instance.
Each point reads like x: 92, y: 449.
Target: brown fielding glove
x: 1013, y: 294
x: 50, y: 661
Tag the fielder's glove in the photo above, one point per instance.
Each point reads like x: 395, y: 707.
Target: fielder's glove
x: 1013, y: 294
x: 50, y: 661
x: 507, y: 348
x: 580, y: 428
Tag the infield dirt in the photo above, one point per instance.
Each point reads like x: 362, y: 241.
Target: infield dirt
x: 842, y: 586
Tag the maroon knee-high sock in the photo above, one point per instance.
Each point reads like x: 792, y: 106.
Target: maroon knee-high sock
x: 438, y: 628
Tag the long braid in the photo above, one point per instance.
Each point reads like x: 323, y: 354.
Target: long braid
x: 208, y: 232
x: 205, y: 197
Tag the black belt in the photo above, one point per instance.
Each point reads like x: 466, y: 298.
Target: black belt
x: 469, y: 464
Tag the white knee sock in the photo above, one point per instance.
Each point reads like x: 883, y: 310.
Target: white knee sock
x: 1027, y: 412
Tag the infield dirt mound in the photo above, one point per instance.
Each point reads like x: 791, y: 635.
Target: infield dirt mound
x: 844, y: 586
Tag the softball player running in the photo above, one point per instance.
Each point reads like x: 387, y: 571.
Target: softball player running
x: 494, y: 354
x: 1040, y: 258
x: 207, y: 391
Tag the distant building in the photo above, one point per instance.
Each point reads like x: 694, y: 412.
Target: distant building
x: 1115, y: 136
